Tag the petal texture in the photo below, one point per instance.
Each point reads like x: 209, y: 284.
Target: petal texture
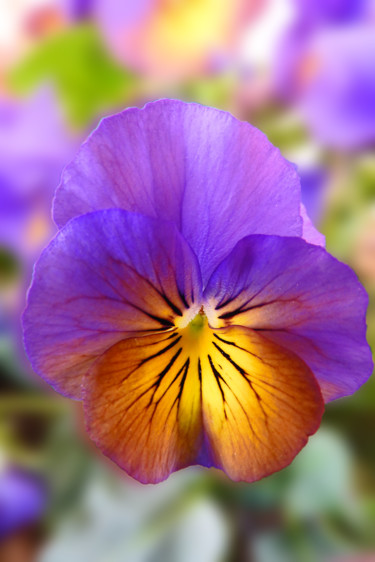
x: 216, y: 178
x: 106, y: 276
x: 260, y: 404
x: 143, y: 407
x: 300, y: 297
x: 230, y: 399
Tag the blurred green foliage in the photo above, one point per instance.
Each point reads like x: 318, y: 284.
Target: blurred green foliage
x: 87, y: 80
x: 9, y: 266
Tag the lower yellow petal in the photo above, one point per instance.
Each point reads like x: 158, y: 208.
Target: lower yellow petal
x: 143, y: 406
x: 260, y: 403
x: 228, y: 398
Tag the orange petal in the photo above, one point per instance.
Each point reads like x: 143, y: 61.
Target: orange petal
x: 228, y: 398
x: 143, y: 406
x: 260, y: 403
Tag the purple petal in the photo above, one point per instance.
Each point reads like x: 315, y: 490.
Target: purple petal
x: 23, y: 500
x: 300, y: 297
x: 217, y: 178
x: 106, y: 276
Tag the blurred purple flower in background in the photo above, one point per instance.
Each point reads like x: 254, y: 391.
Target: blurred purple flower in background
x: 338, y: 98
x: 313, y: 183
x: 309, y: 17
x: 76, y: 10
x: 35, y: 144
x: 23, y: 500
x: 314, y: 13
x: 325, y: 66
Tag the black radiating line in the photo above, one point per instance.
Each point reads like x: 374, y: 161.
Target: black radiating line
x: 249, y: 382
x: 162, y: 321
x: 228, y: 301
x: 182, y: 383
x: 238, y: 368
x: 162, y: 373
x: 182, y: 297
x: 160, y: 352
x: 239, y: 347
x: 218, y: 376
x: 241, y: 309
x: 225, y: 341
x: 199, y: 371
x: 200, y: 376
x: 159, y: 378
x: 230, y: 314
x: 174, y: 380
x: 175, y: 308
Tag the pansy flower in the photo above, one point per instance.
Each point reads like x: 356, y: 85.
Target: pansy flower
x: 181, y: 303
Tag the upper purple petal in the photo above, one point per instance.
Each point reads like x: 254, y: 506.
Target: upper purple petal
x: 300, y: 297
x: 106, y: 276
x: 218, y: 179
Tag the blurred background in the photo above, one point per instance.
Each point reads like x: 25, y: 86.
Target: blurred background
x: 303, y: 71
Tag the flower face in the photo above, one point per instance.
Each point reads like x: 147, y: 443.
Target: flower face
x: 181, y: 304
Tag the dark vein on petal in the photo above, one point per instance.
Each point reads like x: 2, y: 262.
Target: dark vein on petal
x: 160, y: 352
x: 156, y: 384
x: 238, y: 347
x: 200, y: 377
x: 183, y: 299
x: 252, y: 297
x: 245, y: 376
x: 218, y: 377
